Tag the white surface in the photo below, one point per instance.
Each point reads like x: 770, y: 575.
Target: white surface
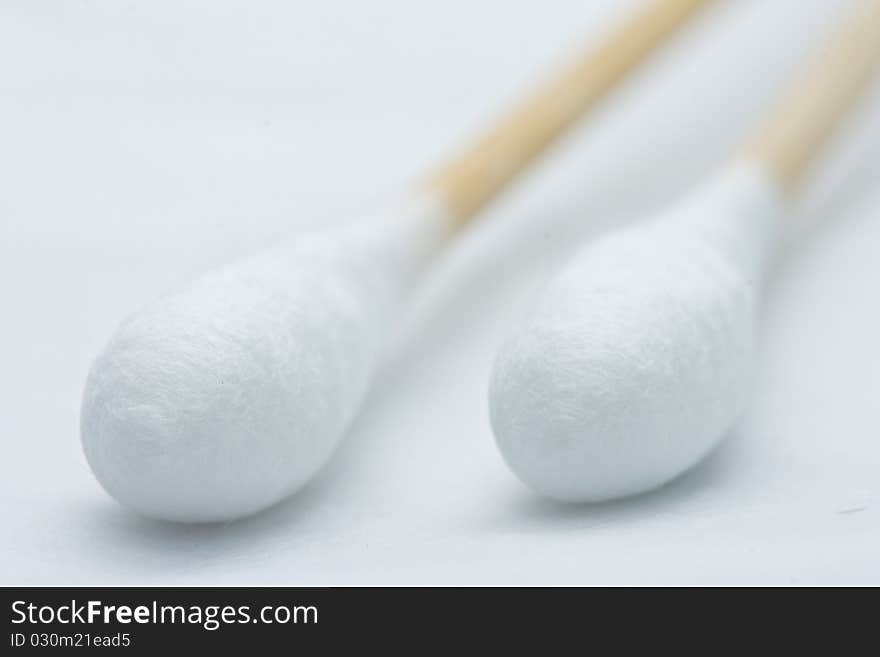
x: 143, y: 143
x: 636, y: 358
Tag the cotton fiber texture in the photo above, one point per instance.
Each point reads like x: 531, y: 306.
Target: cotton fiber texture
x: 221, y: 399
x: 636, y: 359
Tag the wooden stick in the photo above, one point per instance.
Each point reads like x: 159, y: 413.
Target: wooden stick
x: 807, y: 114
x: 479, y: 174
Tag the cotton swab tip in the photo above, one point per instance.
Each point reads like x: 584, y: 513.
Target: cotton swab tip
x: 636, y: 359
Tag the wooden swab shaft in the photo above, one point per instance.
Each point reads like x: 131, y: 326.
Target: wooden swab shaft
x: 819, y: 98
x: 470, y: 181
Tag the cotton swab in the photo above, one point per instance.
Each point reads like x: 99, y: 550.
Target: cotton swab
x: 637, y: 358
x: 221, y: 399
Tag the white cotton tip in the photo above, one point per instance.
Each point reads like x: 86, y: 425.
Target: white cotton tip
x: 219, y: 400
x: 636, y: 359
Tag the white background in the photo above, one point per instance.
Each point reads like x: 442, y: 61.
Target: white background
x: 142, y: 143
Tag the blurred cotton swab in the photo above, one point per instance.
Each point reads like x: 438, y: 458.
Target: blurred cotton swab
x: 637, y: 358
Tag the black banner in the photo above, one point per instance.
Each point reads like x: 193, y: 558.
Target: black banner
x: 156, y: 619
x: 418, y: 620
